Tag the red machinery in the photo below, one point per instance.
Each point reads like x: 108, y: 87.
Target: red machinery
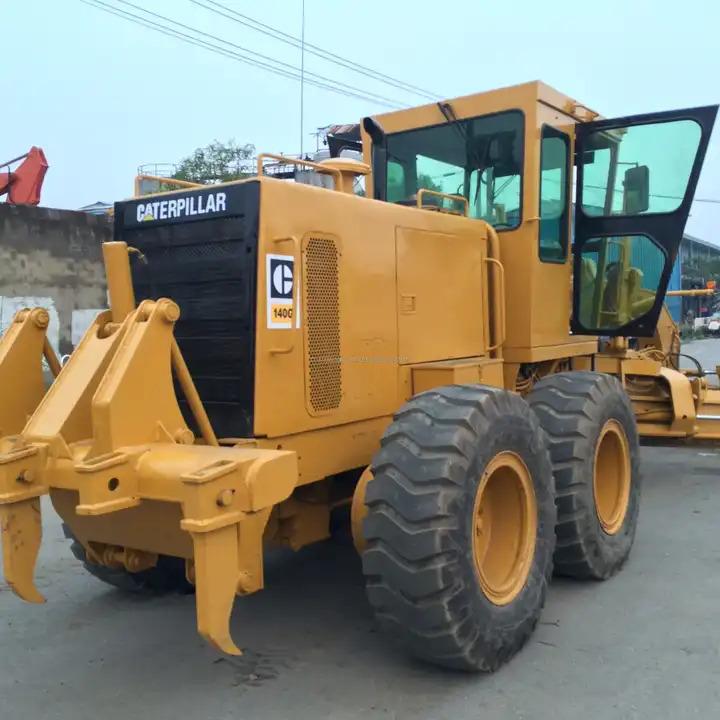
x: 23, y: 184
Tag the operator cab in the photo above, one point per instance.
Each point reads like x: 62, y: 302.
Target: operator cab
x: 508, y: 155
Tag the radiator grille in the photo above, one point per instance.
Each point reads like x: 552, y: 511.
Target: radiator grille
x: 322, y: 322
x: 208, y: 265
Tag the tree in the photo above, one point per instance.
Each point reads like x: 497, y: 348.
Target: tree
x: 426, y: 181
x: 217, y: 162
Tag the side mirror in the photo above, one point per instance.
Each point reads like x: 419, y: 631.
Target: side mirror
x: 636, y: 189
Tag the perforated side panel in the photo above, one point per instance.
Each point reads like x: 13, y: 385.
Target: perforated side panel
x: 322, y: 322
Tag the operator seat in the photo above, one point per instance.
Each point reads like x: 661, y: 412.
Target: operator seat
x: 588, y: 275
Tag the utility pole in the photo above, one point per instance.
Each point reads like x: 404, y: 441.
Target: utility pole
x: 302, y: 78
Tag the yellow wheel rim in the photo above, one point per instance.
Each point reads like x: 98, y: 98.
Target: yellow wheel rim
x: 611, y: 477
x: 359, y: 511
x: 504, y: 528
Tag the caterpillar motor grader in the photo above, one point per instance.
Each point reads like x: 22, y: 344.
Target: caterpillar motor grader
x: 276, y: 350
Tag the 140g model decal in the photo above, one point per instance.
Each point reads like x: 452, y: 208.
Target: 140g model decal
x: 280, y: 283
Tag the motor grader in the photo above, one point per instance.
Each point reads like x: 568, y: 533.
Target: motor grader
x: 275, y: 350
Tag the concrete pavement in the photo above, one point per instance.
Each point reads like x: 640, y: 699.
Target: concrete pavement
x: 643, y: 645
x: 706, y: 352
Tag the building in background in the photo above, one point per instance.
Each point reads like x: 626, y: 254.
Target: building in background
x: 97, y: 208
x: 698, y: 263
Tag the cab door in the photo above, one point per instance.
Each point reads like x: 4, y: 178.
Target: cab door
x: 636, y: 178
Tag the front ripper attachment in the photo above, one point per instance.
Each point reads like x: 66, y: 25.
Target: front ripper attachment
x: 20, y: 525
x: 21, y: 536
x: 110, y: 445
x: 21, y: 374
x: 22, y: 387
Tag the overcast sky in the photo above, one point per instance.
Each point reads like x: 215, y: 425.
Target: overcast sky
x: 102, y: 95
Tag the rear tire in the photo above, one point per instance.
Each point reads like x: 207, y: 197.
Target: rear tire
x: 594, y: 448
x: 168, y: 576
x: 431, y: 565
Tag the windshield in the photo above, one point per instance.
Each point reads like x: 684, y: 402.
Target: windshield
x: 479, y: 158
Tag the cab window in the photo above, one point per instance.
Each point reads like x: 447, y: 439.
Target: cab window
x: 619, y: 279
x: 479, y: 158
x: 395, y: 182
x: 638, y: 169
x: 553, y: 230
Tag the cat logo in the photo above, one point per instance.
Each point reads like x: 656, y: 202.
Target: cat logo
x: 280, y: 280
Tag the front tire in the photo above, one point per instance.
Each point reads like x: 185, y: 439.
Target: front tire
x: 168, y: 576
x: 460, y: 526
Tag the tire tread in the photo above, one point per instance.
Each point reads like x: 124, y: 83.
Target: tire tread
x: 567, y: 405
x: 412, y: 558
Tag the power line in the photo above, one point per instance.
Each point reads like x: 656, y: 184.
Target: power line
x: 338, y: 88
x: 714, y: 201
x: 277, y: 34
x: 695, y: 200
x: 265, y: 58
x: 170, y: 33
x: 302, y: 80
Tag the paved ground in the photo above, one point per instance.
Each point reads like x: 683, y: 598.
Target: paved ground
x: 643, y: 645
x: 706, y: 352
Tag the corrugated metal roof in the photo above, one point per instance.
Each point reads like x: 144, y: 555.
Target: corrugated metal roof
x: 96, y: 208
x: 699, y: 241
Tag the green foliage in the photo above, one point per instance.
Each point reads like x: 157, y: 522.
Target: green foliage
x: 712, y: 268
x: 688, y: 332
x: 217, y: 162
x: 426, y: 181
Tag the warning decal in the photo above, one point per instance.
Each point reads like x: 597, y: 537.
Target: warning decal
x: 280, y: 282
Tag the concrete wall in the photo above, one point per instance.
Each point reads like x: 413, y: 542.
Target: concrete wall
x: 53, y: 258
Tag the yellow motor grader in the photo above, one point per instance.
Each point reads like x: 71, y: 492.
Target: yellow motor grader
x: 284, y: 349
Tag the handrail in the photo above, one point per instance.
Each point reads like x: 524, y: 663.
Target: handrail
x: 166, y: 181
x: 337, y: 175
x: 499, y: 341
x: 446, y: 196
x: 499, y: 329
